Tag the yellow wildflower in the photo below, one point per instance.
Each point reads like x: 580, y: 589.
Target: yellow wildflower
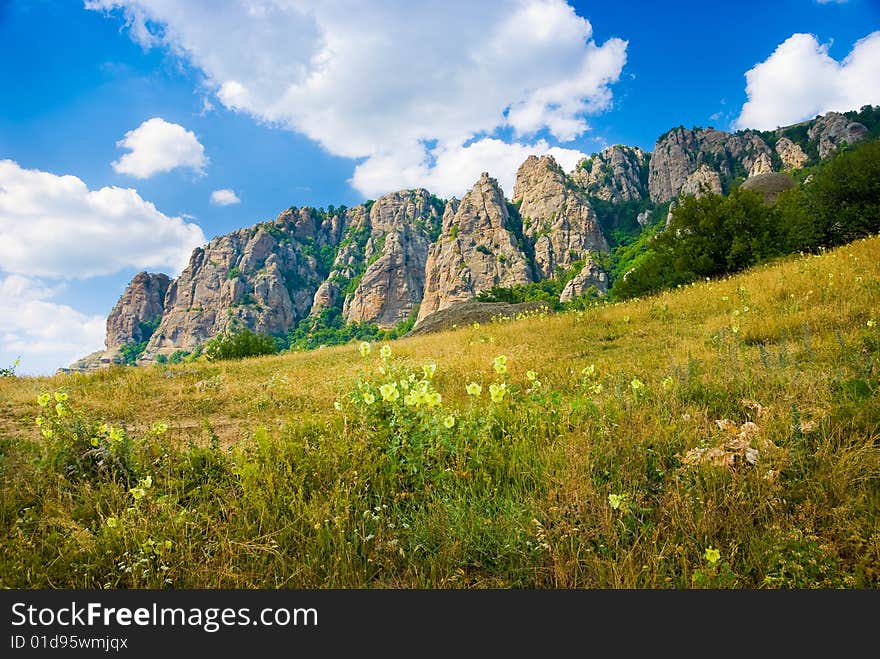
x: 500, y: 364
x: 429, y: 369
x: 60, y: 396
x: 617, y: 501
x: 449, y: 421
x: 389, y: 392
x: 43, y: 399
x: 497, y: 391
x: 385, y: 352
x: 364, y: 348
x: 473, y: 389
x: 712, y: 555
x: 434, y: 399
x: 531, y: 375
x: 369, y: 398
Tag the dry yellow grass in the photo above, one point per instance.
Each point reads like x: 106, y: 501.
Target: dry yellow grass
x: 792, y: 346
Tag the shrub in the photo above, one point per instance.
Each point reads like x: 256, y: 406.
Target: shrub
x: 237, y: 345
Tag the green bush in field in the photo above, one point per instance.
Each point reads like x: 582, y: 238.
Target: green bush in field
x: 237, y: 345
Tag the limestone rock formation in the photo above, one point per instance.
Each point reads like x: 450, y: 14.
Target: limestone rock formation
x: 590, y: 276
x: 701, y: 182
x: 616, y: 174
x: 138, y: 311
x: 135, y: 315
x: 263, y: 278
x: 681, y: 152
x: 556, y: 216
x: 392, y: 285
x: 762, y: 165
x: 475, y: 252
x: 832, y: 130
x: 791, y: 154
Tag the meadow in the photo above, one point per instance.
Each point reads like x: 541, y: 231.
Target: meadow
x: 725, y: 434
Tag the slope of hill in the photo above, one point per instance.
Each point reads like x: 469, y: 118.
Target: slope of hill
x: 722, y: 435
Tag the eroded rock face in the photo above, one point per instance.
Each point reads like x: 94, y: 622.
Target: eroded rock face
x: 263, y: 278
x: 137, y: 311
x: 590, y: 276
x: 616, y: 174
x: 791, y: 154
x: 556, y: 216
x: 394, y: 280
x: 681, y: 152
x: 762, y: 165
x: 832, y: 130
x: 701, y: 182
x: 475, y: 252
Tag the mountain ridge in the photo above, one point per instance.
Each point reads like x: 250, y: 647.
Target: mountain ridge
x: 409, y: 254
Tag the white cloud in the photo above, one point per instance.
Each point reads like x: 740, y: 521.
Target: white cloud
x: 800, y: 80
x: 383, y: 81
x: 454, y: 170
x: 224, y: 197
x: 832, y: 2
x: 54, y: 226
x: 159, y: 146
x: 43, y: 333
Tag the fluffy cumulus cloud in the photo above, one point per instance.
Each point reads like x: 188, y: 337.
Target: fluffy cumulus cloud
x: 456, y: 169
x: 224, y: 197
x: 800, y: 80
x: 407, y: 88
x: 158, y: 146
x: 54, y: 226
x: 44, y: 333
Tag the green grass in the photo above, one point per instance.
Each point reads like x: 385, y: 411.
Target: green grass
x: 259, y: 481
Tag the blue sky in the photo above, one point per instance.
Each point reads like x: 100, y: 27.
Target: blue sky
x: 313, y: 104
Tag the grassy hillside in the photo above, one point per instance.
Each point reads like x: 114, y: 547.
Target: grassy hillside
x: 722, y: 435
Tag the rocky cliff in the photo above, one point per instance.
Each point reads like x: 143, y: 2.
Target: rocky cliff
x: 616, y: 174
x: 131, y: 321
x: 681, y: 152
x: 556, y: 216
x: 477, y: 250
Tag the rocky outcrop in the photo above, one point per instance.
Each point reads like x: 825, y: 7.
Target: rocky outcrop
x: 476, y: 250
x: 701, y: 182
x: 263, y: 278
x: 132, y: 320
x: 591, y: 276
x: 555, y: 215
x: 681, y: 152
x: 616, y: 174
x: 790, y: 154
x: 832, y: 130
x: 762, y: 165
x: 393, y: 283
x: 138, y: 311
